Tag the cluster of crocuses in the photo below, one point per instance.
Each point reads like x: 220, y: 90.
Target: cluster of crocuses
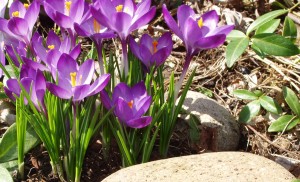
x: 44, y: 67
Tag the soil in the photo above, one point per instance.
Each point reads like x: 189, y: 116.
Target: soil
x: 214, y: 79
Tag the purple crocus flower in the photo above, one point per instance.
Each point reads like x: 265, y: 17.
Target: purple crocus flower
x: 74, y: 81
x: 150, y: 51
x: 32, y: 80
x: 67, y: 12
x: 96, y: 32
x: 123, y: 17
x: 53, y: 43
x: 22, y: 20
x: 130, y: 104
x: 197, y: 33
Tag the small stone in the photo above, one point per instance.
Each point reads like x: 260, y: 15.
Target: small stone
x: 218, y: 166
x: 7, y: 112
x: 219, y: 131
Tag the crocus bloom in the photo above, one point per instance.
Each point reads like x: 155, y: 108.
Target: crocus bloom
x: 197, y: 33
x: 123, y: 17
x: 74, y: 81
x: 130, y: 104
x: 150, y: 51
x: 22, y: 19
x: 53, y: 43
x: 32, y: 80
x: 96, y: 32
x: 65, y: 12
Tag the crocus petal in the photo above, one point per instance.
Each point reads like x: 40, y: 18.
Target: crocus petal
x: 40, y: 86
x: 58, y: 5
x: 120, y: 23
x: 226, y: 29
x: 165, y: 41
x: 80, y: 92
x: 107, y: 103
x: 140, y: 122
x: 142, y: 7
x: 210, y: 19
x: 13, y: 86
x: 183, y: 13
x: 86, y: 72
x: 34, y: 65
x: 99, y: 84
x: 9, y: 93
x: 83, y: 30
x: 142, y: 106
x: 101, y: 18
x: 19, y: 26
x: 143, y: 20
x: 58, y: 91
x: 37, y: 44
x: 66, y: 65
x: 77, y: 9
x: 50, y: 10
x: 53, y: 39
x: 146, y: 40
x: 139, y: 90
x: 191, y: 32
x: 63, y: 20
x: 160, y: 56
x: 122, y: 90
x: 17, y: 6
x: 171, y: 22
x: 122, y: 110
x: 210, y: 42
x: 145, y: 55
x: 32, y: 14
x: 106, y: 8
x: 134, y: 47
x: 75, y: 51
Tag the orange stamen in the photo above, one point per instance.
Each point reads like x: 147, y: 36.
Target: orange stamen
x: 154, y: 44
x: 130, y: 104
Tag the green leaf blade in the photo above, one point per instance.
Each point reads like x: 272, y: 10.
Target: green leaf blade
x: 292, y: 100
x: 235, y: 35
x: 245, y: 94
x: 235, y: 49
x: 289, y: 29
x: 5, y: 176
x: 264, y: 19
x: 249, y: 111
x: 268, y: 27
x: 270, y: 104
x: 281, y: 123
x: 275, y: 45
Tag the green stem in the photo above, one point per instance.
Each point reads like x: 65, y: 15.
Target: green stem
x: 295, y: 6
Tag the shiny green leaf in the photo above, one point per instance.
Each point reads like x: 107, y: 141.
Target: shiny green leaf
x: 275, y: 45
x: 235, y: 49
x: 289, y: 29
x: 268, y: 27
x: 270, y: 104
x: 285, y: 122
x: 249, y: 111
x: 245, y: 94
x: 4, y: 175
x: 235, y: 35
x: 292, y: 100
x: 264, y: 19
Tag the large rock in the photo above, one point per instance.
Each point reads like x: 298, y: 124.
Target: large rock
x: 218, y: 166
x: 219, y: 131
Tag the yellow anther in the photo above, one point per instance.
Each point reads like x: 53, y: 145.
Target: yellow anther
x: 119, y: 8
x: 73, y: 78
x: 68, y: 7
x: 154, y: 44
x: 130, y: 104
x: 97, y: 26
x: 200, y: 22
x: 50, y: 47
x: 16, y: 14
x: 26, y: 6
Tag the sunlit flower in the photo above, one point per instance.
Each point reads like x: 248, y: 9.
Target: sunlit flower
x: 130, y: 104
x: 75, y: 81
x: 150, y: 51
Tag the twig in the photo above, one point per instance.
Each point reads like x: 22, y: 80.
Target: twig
x: 266, y: 139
